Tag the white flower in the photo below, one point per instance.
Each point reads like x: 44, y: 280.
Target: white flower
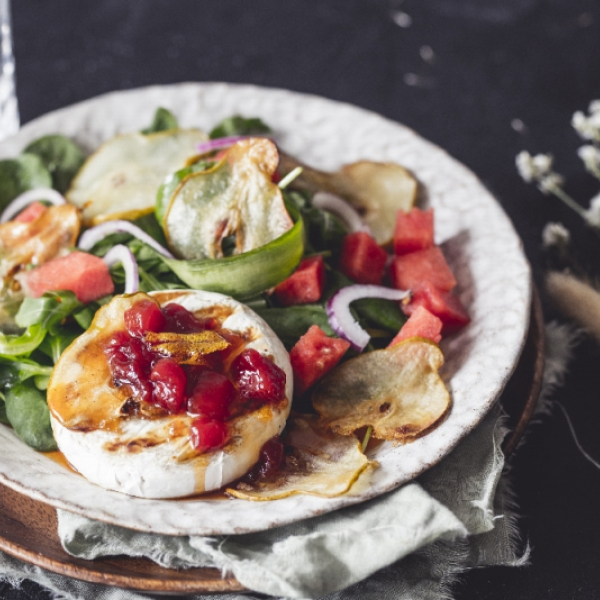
x: 534, y: 168
x: 590, y: 155
x: 592, y: 214
x: 538, y: 168
x: 549, y: 183
x: 555, y: 234
x: 588, y: 127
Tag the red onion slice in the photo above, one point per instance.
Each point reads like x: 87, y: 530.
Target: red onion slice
x: 220, y: 143
x: 338, y: 206
x: 23, y: 200
x: 341, y: 319
x: 94, y: 235
x: 122, y: 254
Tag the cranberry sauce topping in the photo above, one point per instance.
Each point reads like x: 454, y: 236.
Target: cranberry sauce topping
x: 181, y: 320
x: 212, y: 396
x: 211, y: 393
x: 258, y: 378
x: 269, y: 462
x: 169, y: 381
x: 144, y: 316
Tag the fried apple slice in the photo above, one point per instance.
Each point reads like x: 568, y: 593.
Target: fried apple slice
x: 397, y: 391
x: 317, y: 462
x: 236, y: 199
x: 376, y: 190
x: 119, y: 181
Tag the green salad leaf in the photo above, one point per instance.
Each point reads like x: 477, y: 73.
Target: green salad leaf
x: 3, y: 417
x: 238, y: 125
x: 14, y: 370
x: 17, y: 175
x: 48, y: 311
x: 61, y: 157
x: 324, y: 231
x: 292, y: 322
x: 24, y: 344
x: 163, y: 121
x: 27, y: 412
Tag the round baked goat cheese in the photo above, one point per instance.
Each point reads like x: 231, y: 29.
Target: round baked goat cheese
x: 122, y: 444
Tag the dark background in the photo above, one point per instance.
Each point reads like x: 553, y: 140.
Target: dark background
x: 505, y: 75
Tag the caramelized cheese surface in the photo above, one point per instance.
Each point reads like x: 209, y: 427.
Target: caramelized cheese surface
x: 81, y: 393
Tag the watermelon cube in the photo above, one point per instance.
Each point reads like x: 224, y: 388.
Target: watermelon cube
x: 411, y: 271
x: 414, y: 231
x: 444, y: 305
x: 305, y: 285
x: 421, y: 323
x: 314, y: 355
x: 84, y: 274
x: 362, y: 259
x: 31, y: 213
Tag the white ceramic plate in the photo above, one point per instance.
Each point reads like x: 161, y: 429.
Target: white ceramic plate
x: 479, y: 241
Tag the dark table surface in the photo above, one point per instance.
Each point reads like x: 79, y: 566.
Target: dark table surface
x: 482, y: 78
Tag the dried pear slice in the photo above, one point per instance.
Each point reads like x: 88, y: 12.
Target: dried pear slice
x: 120, y: 180
x: 376, y: 190
x: 317, y: 462
x: 236, y: 199
x: 396, y: 391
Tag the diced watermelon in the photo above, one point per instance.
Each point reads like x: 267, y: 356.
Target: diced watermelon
x: 444, y: 305
x: 84, y: 274
x: 421, y: 323
x: 362, y: 259
x: 313, y: 356
x: 305, y: 285
x: 410, y: 271
x: 31, y: 213
x: 414, y: 231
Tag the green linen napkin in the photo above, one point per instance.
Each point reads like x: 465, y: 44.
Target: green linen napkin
x: 409, y: 544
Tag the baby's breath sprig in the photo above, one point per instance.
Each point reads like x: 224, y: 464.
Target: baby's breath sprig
x: 590, y: 155
x: 588, y: 126
x: 539, y: 168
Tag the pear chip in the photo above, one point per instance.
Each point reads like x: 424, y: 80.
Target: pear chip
x: 235, y: 199
x: 119, y: 181
x: 377, y: 190
x: 317, y: 462
x: 397, y: 391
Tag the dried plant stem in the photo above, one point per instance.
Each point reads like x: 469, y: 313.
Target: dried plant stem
x: 562, y: 195
x: 594, y: 170
x: 576, y: 299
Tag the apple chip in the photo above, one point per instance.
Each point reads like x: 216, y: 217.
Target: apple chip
x: 396, y: 391
x: 317, y: 462
x: 376, y: 190
x: 119, y: 181
x: 231, y: 208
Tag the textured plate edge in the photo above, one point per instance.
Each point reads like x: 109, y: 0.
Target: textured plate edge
x: 456, y: 164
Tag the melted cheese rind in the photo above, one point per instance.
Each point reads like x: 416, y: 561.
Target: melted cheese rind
x: 153, y: 458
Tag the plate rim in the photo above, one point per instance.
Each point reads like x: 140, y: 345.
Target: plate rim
x: 238, y: 88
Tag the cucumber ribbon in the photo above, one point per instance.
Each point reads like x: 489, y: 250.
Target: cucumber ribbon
x: 245, y: 275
